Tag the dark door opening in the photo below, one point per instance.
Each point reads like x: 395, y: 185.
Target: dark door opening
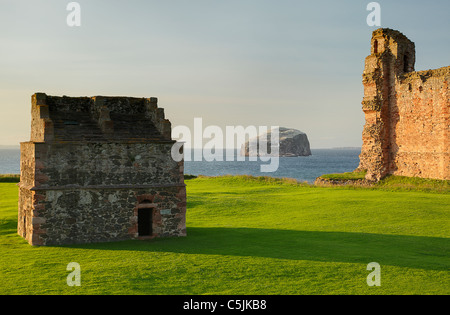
x: 145, y: 222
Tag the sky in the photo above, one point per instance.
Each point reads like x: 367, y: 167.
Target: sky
x: 290, y: 63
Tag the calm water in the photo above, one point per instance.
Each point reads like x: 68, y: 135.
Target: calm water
x: 9, y: 161
x: 305, y: 168
x: 308, y: 168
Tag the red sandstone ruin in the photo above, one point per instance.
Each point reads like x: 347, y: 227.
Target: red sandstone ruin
x: 407, y: 112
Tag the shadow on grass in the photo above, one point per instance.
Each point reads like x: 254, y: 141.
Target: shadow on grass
x: 8, y: 227
x: 430, y: 253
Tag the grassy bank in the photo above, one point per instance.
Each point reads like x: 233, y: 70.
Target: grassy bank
x: 391, y: 182
x: 345, y: 176
x: 414, y: 183
x: 254, y: 236
x: 9, y: 178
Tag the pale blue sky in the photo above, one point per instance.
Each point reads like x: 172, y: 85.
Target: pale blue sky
x: 290, y: 63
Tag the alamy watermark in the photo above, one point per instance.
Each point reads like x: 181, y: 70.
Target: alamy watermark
x: 262, y: 148
x: 374, y: 17
x: 267, y: 149
x: 74, y: 17
x: 74, y: 278
x: 374, y: 278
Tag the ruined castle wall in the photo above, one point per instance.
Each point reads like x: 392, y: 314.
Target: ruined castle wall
x: 419, y: 119
x: 407, y: 112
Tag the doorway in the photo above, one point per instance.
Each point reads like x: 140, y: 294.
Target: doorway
x: 145, y: 222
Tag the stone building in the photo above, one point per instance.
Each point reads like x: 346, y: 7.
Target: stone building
x: 407, y: 113
x: 99, y: 169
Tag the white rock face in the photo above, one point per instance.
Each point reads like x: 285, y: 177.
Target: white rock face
x: 292, y: 143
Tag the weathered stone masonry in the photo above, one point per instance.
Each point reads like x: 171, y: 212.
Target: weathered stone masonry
x: 407, y: 112
x: 99, y: 169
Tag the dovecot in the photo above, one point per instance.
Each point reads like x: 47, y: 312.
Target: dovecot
x: 99, y: 169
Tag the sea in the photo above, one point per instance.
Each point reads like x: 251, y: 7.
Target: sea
x: 304, y: 168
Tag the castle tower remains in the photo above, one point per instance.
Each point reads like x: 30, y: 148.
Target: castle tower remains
x: 406, y: 112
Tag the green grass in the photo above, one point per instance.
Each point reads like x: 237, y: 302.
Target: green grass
x: 414, y: 183
x: 392, y: 182
x: 345, y: 176
x: 254, y: 236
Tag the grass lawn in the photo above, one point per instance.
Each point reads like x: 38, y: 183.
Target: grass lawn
x: 345, y: 176
x: 254, y: 236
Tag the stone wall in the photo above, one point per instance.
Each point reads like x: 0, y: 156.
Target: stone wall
x: 27, y: 164
x: 79, y: 164
x: 407, y: 112
x: 92, y: 164
x: 100, y: 215
x: 420, y: 123
x: 26, y: 214
x: 98, y: 118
